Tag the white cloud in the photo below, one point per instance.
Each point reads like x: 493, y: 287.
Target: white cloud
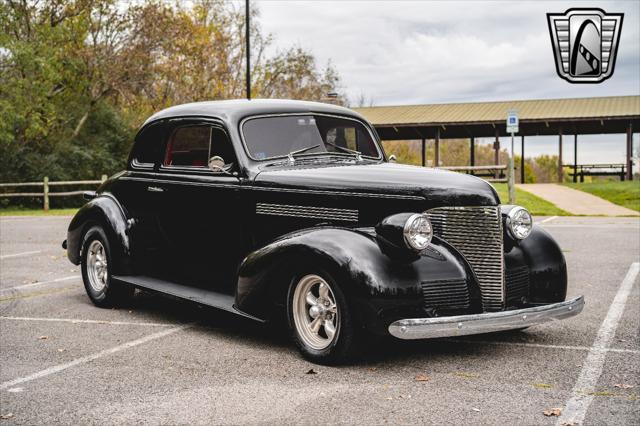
x: 420, y: 52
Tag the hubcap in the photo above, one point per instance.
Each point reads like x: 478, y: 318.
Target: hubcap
x: 97, y: 266
x: 315, y: 312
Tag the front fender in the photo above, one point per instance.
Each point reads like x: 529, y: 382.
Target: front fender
x: 379, y: 289
x: 108, y: 213
x: 548, y: 268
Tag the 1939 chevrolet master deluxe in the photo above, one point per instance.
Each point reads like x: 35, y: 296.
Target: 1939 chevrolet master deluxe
x: 258, y: 206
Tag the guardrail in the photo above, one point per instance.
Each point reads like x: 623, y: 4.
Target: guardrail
x: 45, y: 184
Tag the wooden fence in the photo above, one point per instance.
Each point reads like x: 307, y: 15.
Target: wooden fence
x: 45, y: 185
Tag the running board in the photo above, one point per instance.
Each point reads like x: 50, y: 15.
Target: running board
x: 193, y: 294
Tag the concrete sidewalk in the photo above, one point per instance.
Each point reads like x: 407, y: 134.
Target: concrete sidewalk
x: 576, y: 202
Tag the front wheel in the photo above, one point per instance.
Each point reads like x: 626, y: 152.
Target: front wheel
x: 96, y: 271
x: 320, y: 320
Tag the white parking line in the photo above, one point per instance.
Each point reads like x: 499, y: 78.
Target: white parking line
x: 20, y: 287
x: 549, y: 219
x: 85, y: 321
x: 582, y: 394
x: 25, y: 253
x: 542, y: 346
x: 78, y: 361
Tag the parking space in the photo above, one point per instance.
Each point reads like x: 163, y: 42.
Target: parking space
x: 159, y: 360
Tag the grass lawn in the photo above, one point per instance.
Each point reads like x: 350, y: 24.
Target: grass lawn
x: 37, y: 212
x: 625, y: 194
x: 536, y: 205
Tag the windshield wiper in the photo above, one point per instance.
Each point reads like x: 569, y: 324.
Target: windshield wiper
x: 358, y: 154
x: 292, y: 154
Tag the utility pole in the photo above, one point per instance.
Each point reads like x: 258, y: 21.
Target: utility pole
x: 248, y: 46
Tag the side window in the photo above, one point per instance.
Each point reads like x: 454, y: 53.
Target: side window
x: 188, y: 146
x: 221, y: 146
x: 148, y: 145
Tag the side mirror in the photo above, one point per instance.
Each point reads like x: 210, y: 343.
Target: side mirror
x: 392, y: 158
x: 216, y: 164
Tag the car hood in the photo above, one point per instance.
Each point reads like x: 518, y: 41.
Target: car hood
x: 438, y: 187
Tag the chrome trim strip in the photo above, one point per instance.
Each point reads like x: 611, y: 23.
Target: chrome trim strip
x: 258, y: 188
x: 311, y: 212
x: 350, y: 194
x: 462, y: 325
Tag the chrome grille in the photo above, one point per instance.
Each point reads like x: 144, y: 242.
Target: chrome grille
x: 445, y: 294
x: 517, y: 284
x: 476, y: 232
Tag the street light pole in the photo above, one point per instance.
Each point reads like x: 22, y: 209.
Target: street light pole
x: 248, y: 46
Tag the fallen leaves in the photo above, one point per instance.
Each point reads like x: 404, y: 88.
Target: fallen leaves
x: 477, y: 410
x: 551, y: 412
x: 43, y: 337
x: 6, y: 416
x: 623, y: 386
x: 542, y: 385
x: 465, y: 375
x: 422, y: 378
x: 601, y: 393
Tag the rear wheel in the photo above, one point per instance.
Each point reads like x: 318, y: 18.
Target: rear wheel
x: 319, y: 318
x: 96, y: 271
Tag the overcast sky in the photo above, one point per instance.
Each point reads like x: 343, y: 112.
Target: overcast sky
x: 396, y: 52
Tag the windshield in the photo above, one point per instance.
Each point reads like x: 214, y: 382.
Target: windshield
x: 269, y: 137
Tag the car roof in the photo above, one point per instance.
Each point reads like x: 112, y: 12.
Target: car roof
x: 232, y: 111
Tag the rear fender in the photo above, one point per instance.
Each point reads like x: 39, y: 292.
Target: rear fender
x: 107, y: 212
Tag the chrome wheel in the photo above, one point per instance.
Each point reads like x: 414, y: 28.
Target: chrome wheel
x: 315, y: 312
x: 97, y: 266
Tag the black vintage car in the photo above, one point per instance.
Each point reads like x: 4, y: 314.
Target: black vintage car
x: 261, y: 207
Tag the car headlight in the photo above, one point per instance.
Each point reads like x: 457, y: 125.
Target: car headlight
x: 519, y: 223
x: 418, y: 231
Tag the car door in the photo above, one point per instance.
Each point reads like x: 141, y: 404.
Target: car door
x: 198, y: 209
x: 133, y: 192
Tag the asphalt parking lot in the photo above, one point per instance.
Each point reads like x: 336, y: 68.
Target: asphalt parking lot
x: 164, y: 361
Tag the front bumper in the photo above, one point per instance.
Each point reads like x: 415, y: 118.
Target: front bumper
x: 460, y: 325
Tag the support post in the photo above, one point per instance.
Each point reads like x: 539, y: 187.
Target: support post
x: 496, y: 151
x: 560, y: 155
x: 472, y: 152
x: 511, y: 178
x: 247, y: 37
x: 575, y: 158
x: 46, y: 193
x: 629, y: 149
x: 522, y: 159
x: 437, y: 148
x: 424, y: 152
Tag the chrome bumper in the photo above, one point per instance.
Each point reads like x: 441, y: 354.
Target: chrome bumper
x: 426, y: 328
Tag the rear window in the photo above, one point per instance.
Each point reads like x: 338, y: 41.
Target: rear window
x: 148, y: 145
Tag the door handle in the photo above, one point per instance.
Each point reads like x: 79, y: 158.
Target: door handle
x: 154, y: 189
